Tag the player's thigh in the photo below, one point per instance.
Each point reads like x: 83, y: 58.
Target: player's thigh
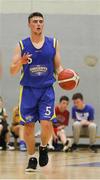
x: 46, y: 105
x: 28, y: 105
x: 84, y: 131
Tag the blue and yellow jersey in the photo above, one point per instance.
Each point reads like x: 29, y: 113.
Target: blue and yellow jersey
x: 39, y: 72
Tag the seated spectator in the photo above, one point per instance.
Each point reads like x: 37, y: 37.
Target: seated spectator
x: 83, y: 116
x: 17, y: 129
x: 60, y: 123
x: 4, y: 129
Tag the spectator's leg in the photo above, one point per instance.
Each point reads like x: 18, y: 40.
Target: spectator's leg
x: 8, y: 137
x: 15, y: 129
x: 62, y: 135
x: 1, y: 128
x: 92, y: 133
x: 18, y: 130
x: 50, y: 146
x: 76, y: 131
x: 66, y: 142
x: 21, y: 132
x: 15, y: 132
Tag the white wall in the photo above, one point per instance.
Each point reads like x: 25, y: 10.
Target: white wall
x: 51, y: 6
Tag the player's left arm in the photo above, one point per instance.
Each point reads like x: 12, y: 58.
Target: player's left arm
x: 5, y: 115
x: 91, y: 115
x: 57, y: 59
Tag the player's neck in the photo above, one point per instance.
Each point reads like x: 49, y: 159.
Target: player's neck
x: 61, y: 109
x: 36, y: 38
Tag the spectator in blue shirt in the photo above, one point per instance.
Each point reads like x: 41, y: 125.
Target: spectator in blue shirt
x: 83, y: 116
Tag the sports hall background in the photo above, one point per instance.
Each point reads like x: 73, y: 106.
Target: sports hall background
x: 75, y: 23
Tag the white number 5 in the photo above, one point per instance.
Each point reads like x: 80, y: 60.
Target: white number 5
x: 48, y: 110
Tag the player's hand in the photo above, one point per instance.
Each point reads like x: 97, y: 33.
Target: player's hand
x: 61, y: 127
x: 84, y: 122
x: 25, y: 58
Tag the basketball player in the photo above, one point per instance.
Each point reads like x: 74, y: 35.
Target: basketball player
x: 37, y: 57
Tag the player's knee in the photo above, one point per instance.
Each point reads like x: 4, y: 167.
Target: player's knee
x: 76, y: 124
x: 46, y: 125
x: 92, y: 126
x: 28, y: 129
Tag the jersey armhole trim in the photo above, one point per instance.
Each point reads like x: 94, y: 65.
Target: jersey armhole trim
x: 55, y: 43
x: 21, y: 45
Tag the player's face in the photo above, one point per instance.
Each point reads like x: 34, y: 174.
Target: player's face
x: 36, y: 25
x: 78, y: 103
x: 64, y: 105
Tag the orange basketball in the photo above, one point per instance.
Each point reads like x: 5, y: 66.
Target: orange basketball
x: 68, y: 79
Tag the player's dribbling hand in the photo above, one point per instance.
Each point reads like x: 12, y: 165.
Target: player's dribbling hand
x: 25, y: 58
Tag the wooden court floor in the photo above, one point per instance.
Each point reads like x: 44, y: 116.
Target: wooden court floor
x: 82, y: 164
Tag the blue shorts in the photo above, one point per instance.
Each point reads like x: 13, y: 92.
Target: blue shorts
x: 36, y: 104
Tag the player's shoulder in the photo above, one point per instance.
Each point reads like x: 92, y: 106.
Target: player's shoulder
x: 89, y: 107
x: 51, y: 39
x: 74, y: 108
x: 24, y: 42
x: 15, y: 108
x: 24, y: 39
x: 67, y: 111
x: 56, y: 107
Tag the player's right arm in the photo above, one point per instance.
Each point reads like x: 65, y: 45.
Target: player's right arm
x: 4, y: 114
x: 18, y: 60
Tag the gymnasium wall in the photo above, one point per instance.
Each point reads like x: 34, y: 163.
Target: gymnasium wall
x: 76, y: 24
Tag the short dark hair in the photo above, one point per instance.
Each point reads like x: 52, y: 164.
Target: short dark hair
x: 38, y: 14
x: 64, y: 98
x: 77, y: 96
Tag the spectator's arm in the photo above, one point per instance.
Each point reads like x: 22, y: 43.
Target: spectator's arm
x: 68, y: 119
x: 14, y: 114
x: 5, y: 116
x: 61, y: 127
x: 54, y: 135
x: 73, y: 114
x: 91, y: 114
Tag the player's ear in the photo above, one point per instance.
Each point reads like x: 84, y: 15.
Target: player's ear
x: 29, y: 24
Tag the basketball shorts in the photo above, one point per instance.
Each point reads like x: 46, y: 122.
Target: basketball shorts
x: 36, y: 104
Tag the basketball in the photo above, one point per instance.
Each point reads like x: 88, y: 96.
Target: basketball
x: 68, y: 79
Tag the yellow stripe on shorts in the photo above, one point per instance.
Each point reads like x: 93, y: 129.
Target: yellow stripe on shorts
x: 20, y: 99
x: 53, y: 117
